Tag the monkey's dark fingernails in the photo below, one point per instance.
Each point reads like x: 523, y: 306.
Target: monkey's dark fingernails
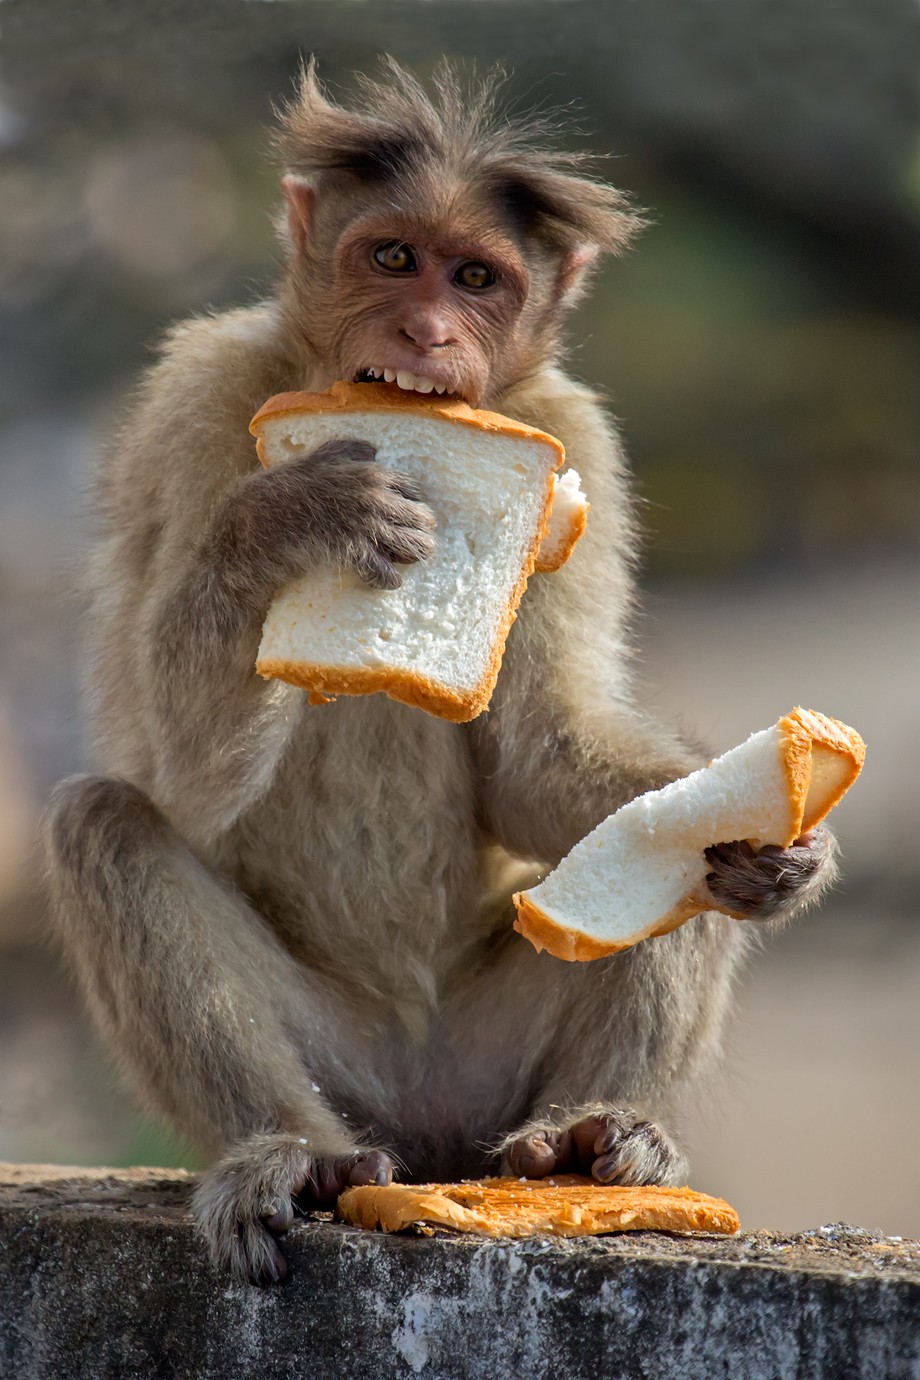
x: 375, y: 1168
x: 584, y: 1134
x: 277, y: 1216
x: 806, y: 840
x: 606, y: 1168
x: 274, y: 1268
x: 608, y: 1138
x: 533, y: 1156
x: 771, y: 850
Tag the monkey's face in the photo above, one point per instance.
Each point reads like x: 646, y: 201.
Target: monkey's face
x: 424, y: 308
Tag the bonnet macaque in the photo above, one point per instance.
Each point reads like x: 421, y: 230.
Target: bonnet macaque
x: 292, y: 922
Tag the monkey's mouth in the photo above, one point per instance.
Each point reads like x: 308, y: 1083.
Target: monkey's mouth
x: 409, y: 382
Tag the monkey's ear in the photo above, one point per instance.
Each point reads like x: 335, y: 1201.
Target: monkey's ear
x: 574, y: 270
x: 300, y: 197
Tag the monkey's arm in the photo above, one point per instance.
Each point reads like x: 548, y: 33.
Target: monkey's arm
x: 200, y: 538
x: 563, y: 744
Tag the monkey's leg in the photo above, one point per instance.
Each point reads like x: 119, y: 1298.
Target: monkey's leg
x: 199, y: 1002
x: 605, y: 1051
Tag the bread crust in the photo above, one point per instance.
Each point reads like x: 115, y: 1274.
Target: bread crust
x: 323, y: 682
x: 384, y: 397
x: 801, y: 730
x: 569, y: 1205
x: 576, y: 946
x: 578, y: 521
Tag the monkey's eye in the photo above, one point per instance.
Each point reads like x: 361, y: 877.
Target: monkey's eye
x: 395, y: 256
x: 474, y: 275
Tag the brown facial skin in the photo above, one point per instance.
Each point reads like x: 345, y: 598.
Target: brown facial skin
x: 423, y: 317
x: 292, y: 923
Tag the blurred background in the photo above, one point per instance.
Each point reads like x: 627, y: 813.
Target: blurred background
x: 761, y: 347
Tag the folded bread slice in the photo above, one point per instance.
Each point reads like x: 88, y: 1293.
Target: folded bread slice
x: 642, y: 872
x: 437, y: 641
x: 568, y: 1206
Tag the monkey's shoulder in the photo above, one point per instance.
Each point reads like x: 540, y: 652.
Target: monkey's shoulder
x: 184, y: 435
x: 571, y: 411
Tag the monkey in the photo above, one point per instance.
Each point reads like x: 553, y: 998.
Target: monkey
x: 292, y: 922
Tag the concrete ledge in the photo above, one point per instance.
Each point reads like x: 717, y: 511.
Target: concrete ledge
x: 102, y: 1276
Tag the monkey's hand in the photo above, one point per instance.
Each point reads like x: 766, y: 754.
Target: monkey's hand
x: 334, y: 505
x: 606, y: 1140
x: 249, y: 1198
x: 774, y: 882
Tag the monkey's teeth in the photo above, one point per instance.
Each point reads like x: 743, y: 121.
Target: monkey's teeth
x: 389, y: 375
x: 440, y: 388
x: 375, y: 373
x: 414, y: 383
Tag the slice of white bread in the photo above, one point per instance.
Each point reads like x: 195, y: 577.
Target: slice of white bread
x: 567, y: 1205
x: 642, y: 872
x: 436, y: 642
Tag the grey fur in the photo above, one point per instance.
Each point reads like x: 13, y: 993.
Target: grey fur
x: 292, y: 923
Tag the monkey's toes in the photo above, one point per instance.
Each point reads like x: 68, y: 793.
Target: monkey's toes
x: 539, y: 1153
x: 617, y: 1148
x: 328, y: 1177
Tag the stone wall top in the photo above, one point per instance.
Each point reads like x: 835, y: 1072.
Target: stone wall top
x: 102, y: 1277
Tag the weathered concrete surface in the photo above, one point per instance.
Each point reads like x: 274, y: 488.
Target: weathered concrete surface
x: 102, y: 1277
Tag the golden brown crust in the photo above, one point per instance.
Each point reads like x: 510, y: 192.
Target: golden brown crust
x: 407, y: 686
x: 569, y: 1205
x: 577, y: 523
x: 324, y: 683
x: 576, y: 946
x: 385, y: 397
x: 802, y: 729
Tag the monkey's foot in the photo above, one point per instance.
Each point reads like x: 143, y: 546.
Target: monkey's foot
x: 248, y: 1199
x: 773, y: 882
x: 607, y: 1141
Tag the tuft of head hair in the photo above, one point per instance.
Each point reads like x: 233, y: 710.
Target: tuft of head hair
x: 461, y: 132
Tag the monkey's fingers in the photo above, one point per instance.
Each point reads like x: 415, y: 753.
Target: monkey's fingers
x: 761, y: 885
x: 376, y: 1167
x: 344, y: 448
x: 263, y: 1261
x: 541, y: 1153
x: 375, y: 568
x: 327, y: 1177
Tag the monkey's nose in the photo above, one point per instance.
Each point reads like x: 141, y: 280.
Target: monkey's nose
x: 425, y: 336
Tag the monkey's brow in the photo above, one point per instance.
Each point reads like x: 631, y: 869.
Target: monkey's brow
x: 406, y: 228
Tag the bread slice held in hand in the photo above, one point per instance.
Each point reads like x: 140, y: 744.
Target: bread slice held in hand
x: 437, y: 641
x: 569, y: 1205
x: 642, y: 872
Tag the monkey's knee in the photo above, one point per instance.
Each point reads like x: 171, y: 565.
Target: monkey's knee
x: 93, y: 826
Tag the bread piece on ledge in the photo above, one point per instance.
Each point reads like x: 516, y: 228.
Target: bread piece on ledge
x: 569, y: 1205
x: 642, y: 872
x: 436, y: 642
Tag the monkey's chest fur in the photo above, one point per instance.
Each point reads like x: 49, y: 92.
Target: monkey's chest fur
x: 365, y: 856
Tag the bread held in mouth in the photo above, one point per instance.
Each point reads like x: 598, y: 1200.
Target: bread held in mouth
x: 436, y: 642
x: 642, y: 872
